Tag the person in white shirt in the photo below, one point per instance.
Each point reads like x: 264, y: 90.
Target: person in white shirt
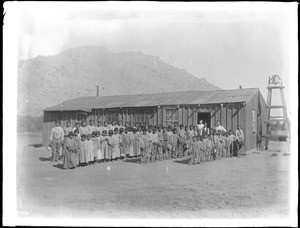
x: 91, y: 128
x: 84, y: 129
x: 56, y: 139
x: 240, y: 136
x: 220, y: 127
x: 77, y: 126
x: 99, y: 127
x: 200, y: 127
x: 105, y: 126
x: 205, y: 130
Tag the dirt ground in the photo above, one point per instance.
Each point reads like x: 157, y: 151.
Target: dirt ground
x: 252, y: 186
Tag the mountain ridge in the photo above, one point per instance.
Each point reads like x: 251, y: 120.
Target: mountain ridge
x: 45, y: 81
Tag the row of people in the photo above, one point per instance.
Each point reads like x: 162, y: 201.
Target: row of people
x: 150, y: 146
x: 201, y: 128
x: 130, y: 137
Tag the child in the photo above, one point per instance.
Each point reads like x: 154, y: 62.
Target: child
x: 77, y: 126
x: 122, y: 146
x: 195, y: 131
x: 99, y: 151
x: 68, y: 128
x: 99, y: 127
x: 227, y: 144
x: 111, y: 146
x: 232, y: 143
x: 96, y: 146
x: 103, y: 146
x: 169, y: 144
x: 154, y: 145
x: 258, y: 141
x: 84, y: 129
x: 117, y: 139
x: 91, y: 128
x: 191, y: 133
x: 164, y: 144
x: 89, y: 149
x: 160, y: 144
x: 83, y: 156
x: 131, y: 138
x: 193, y: 152
x: 201, y: 149
x: 145, y: 146
x: 136, y: 143
x: 209, y: 147
x: 223, y: 142
x: 126, y: 143
x: 218, y: 144
x: 71, y: 147
x: 182, y: 140
x: 176, y: 144
x: 77, y: 139
x: 205, y: 129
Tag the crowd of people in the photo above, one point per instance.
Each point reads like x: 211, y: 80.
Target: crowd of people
x: 86, y: 145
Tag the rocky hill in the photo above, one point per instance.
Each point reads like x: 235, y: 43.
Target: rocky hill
x: 47, y: 81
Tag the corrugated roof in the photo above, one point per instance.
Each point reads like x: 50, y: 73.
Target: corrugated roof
x: 148, y: 100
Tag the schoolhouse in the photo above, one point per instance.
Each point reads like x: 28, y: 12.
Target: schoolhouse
x: 246, y: 107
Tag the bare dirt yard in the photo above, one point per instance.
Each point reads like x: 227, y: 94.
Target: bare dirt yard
x: 252, y: 186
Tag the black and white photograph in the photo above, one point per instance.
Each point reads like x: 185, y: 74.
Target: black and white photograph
x: 150, y: 114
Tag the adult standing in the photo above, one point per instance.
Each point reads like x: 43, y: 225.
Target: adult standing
x: 200, y: 127
x: 240, y: 136
x: 56, y: 139
x: 219, y: 127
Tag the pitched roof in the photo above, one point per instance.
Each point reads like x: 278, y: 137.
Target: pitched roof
x: 148, y: 100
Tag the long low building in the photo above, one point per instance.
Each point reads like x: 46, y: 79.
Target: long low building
x: 232, y: 107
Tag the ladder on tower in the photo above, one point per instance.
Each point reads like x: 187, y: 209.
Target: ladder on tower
x: 276, y: 83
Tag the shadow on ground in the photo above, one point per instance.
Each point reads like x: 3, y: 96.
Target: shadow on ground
x: 183, y: 161
x: 133, y: 160
x: 36, y: 145
x: 45, y: 159
x: 59, y: 166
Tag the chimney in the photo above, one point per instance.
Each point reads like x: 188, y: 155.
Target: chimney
x: 97, y: 91
x: 240, y: 87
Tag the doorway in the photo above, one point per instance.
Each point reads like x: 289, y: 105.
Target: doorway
x: 205, y: 116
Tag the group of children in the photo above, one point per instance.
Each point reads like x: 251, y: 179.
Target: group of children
x: 87, y: 145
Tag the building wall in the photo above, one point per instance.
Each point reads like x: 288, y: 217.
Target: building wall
x: 255, y: 110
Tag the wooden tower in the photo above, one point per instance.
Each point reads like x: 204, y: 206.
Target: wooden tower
x: 276, y: 83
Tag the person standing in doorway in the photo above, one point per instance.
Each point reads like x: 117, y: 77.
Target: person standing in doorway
x: 56, y: 139
x: 200, y: 127
x: 205, y: 130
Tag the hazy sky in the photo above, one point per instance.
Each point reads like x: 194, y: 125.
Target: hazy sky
x: 229, y: 45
